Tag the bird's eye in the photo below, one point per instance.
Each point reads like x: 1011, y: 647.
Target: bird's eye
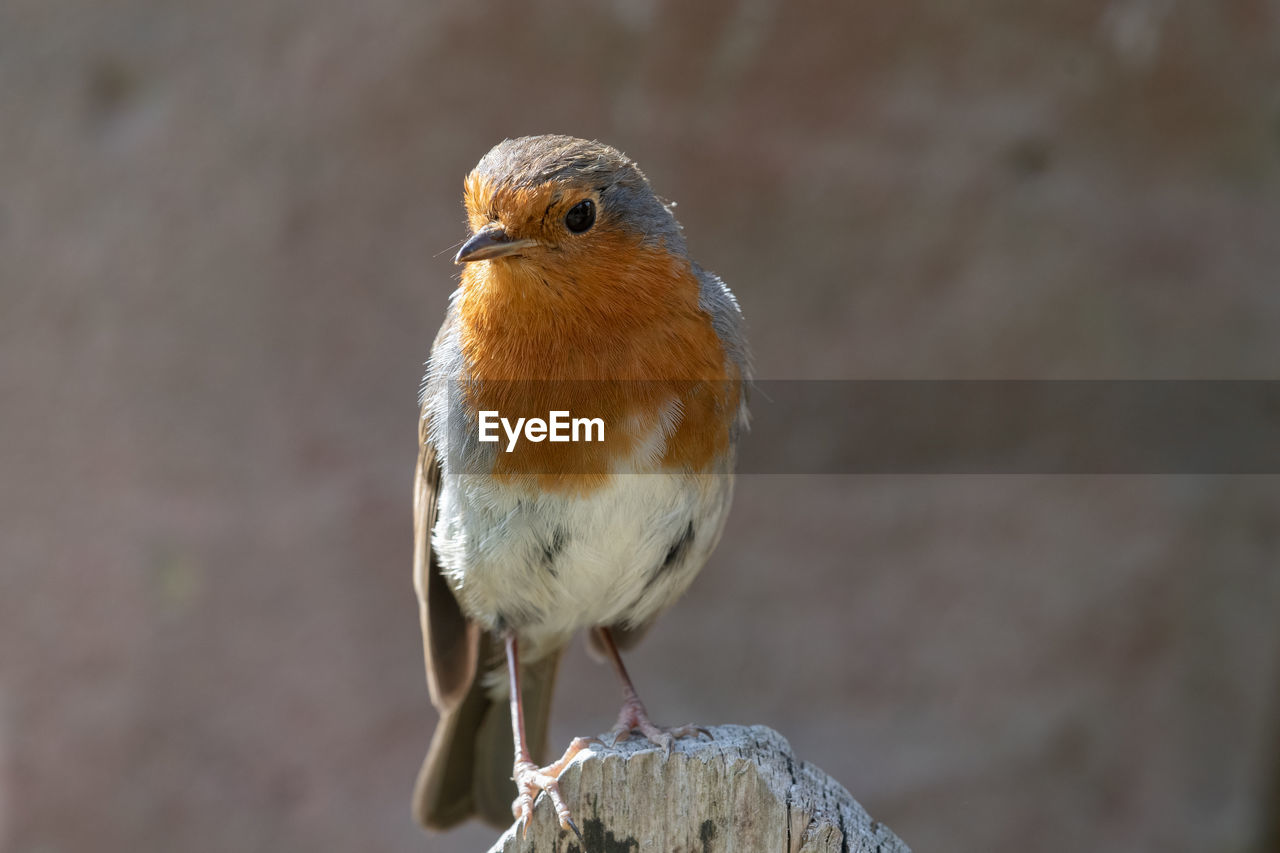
x: 581, y: 216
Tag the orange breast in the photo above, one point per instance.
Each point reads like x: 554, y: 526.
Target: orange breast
x: 621, y: 338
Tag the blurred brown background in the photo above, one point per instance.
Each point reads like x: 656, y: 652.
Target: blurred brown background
x: 225, y: 231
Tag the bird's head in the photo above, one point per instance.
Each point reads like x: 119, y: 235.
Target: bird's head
x: 564, y: 213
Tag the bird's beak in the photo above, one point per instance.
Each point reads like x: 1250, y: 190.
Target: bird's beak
x: 488, y: 243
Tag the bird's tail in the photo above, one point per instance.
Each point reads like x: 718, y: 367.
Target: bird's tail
x: 468, y: 767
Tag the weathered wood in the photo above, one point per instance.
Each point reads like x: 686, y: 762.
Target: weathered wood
x: 744, y: 791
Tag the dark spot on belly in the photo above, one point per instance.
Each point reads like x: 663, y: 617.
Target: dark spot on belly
x: 516, y: 619
x: 678, y: 548
x: 551, y: 550
x: 675, y: 555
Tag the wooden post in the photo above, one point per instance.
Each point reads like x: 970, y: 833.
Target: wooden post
x: 744, y: 791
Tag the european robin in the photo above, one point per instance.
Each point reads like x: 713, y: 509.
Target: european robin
x: 576, y: 296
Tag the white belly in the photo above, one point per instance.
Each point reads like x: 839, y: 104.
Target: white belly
x: 548, y: 565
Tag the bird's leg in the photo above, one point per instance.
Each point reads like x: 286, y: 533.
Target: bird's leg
x: 531, y: 779
x: 634, y: 717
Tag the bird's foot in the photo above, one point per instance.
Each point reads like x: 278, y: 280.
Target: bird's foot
x: 532, y: 780
x: 634, y: 719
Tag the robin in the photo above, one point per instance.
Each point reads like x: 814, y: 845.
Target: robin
x: 576, y: 296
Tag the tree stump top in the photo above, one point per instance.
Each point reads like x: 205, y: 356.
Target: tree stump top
x: 744, y: 791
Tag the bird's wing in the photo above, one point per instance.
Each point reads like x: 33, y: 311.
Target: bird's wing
x: 721, y: 305
x: 468, y: 767
x: 451, y: 643
x: 715, y: 297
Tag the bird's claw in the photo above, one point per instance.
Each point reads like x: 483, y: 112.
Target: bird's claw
x: 639, y: 723
x: 532, y: 780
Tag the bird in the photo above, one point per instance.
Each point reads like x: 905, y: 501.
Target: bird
x: 576, y: 295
